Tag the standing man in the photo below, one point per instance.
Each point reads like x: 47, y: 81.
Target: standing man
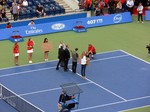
x: 15, y: 11
x: 60, y: 56
x: 66, y: 57
x: 140, y: 12
x: 74, y: 60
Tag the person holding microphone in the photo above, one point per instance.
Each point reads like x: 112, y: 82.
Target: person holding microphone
x: 30, y: 45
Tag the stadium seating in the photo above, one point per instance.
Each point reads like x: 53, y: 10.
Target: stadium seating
x: 51, y: 7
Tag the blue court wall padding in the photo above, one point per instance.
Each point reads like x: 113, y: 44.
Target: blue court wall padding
x: 46, y: 20
x: 147, y: 15
x: 67, y: 25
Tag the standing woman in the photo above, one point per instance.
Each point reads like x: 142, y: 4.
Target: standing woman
x: 16, y: 53
x: 46, y: 52
x: 30, y: 45
x: 83, y: 64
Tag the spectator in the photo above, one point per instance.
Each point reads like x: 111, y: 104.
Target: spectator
x: 81, y: 4
x: 119, y: 7
x: 31, y: 23
x: 101, y: 6
x: 111, y: 5
x: 15, y: 11
x: 123, y: 5
x: 8, y: 25
x: 140, y: 12
x: 88, y: 5
x: 97, y: 11
x: 3, y: 15
x: 2, y: 2
x: 40, y: 10
x: 25, y: 3
x: 130, y: 5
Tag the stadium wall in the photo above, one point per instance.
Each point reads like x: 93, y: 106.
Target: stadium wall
x: 67, y: 25
x: 46, y: 20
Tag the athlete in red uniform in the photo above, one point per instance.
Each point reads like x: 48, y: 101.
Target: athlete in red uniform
x: 16, y: 53
x: 30, y: 45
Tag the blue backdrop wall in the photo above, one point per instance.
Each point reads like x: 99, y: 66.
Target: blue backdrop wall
x: 46, y: 20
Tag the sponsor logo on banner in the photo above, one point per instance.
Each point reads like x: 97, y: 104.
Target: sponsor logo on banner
x: 33, y: 30
x: 94, y: 21
x: 117, y: 18
x: 58, y: 26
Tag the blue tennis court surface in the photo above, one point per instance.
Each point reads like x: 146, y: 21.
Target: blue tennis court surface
x: 114, y: 81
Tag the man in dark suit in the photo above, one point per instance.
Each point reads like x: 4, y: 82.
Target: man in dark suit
x: 66, y: 57
x: 60, y: 56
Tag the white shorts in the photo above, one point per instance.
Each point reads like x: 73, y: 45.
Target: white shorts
x: 30, y: 51
x: 16, y: 54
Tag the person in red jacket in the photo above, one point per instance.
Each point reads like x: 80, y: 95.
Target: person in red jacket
x: 16, y: 53
x: 30, y: 45
x: 88, y: 4
x: 91, y: 51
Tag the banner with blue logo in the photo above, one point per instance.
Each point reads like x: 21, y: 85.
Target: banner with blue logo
x: 147, y: 15
x: 66, y: 25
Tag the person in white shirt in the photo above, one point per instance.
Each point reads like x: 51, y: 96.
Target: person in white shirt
x: 25, y: 3
x: 32, y: 23
x: 130, y: 5
x: 83, y: 64
x: 140, y: 12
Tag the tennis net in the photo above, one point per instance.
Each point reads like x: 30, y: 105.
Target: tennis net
x: 17, y: 102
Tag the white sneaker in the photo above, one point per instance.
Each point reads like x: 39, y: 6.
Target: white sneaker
x: 30, y: 61
x: 46, y: 59
x: 142, y: 22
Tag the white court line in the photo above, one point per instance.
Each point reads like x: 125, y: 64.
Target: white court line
x: 102, y: 87
x: 29, y: 71
x: 48, y: 90
x: 50, y: 61
x: 109, y: 104
x: 135, y: 57
x: 135, y: 108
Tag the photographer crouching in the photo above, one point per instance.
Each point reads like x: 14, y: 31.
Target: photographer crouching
x: 148, y: 47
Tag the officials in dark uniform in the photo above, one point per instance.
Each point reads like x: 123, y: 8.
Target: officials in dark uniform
x: 66, y: 57
x: 60, y: 56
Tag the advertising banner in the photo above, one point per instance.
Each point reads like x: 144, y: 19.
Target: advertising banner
x: 147, y: 15
x: 61, y: 26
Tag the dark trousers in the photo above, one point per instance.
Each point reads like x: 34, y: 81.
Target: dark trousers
x: 83, y: 67
x: 66, y: 64
x: 130, y: 9
x: 74, y: 67
x: 60, y: 60
x: 140, y: 17
x: 15, y: 17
